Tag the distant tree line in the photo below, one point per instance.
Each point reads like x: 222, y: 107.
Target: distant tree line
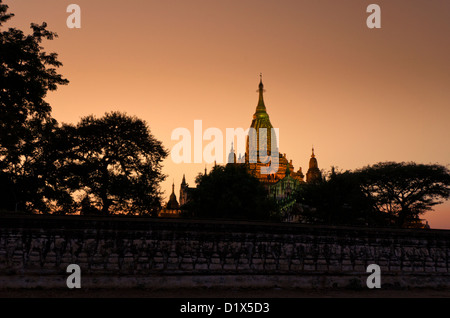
x: 101, y: 165
x: 383, y: 194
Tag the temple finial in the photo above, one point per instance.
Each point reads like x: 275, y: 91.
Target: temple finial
x: 261, y: 107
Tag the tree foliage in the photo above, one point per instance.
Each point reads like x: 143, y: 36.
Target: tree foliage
x: 230, y: 192
x: 404, y: 191
x: 27, y: 74
x: 114, y: 163
x: 384, y: 194
x: 337, y: 200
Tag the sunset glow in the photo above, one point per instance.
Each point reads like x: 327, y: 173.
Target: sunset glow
x: 359, y: 95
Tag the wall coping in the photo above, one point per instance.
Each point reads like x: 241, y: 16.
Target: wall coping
x: 138, y: 223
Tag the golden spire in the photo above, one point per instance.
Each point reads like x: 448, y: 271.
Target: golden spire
x: 261, y: 107
x: 260, y: 120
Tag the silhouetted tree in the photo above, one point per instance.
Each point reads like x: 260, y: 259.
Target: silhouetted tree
x: 405, y: 190
x: 337, y: 200
x: 27, y: 73
x: 230, y: 192
x: 113, y: 163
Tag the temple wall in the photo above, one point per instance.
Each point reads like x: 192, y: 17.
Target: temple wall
x: 124, y: 252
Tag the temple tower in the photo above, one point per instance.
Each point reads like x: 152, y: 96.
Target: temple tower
x: 313, y: 174
x: 263, y: 137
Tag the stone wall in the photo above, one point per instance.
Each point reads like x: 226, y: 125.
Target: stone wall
x: 122, y: 252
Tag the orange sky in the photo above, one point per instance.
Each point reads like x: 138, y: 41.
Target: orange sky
x: 359, y: 95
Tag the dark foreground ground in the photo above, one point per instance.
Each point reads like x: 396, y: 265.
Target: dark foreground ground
x: 224, y: 293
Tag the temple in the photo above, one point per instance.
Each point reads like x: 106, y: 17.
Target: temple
x: 262, y: 160
x: 172, y: 208
x: 313, y: 174
x: 265, y: 140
